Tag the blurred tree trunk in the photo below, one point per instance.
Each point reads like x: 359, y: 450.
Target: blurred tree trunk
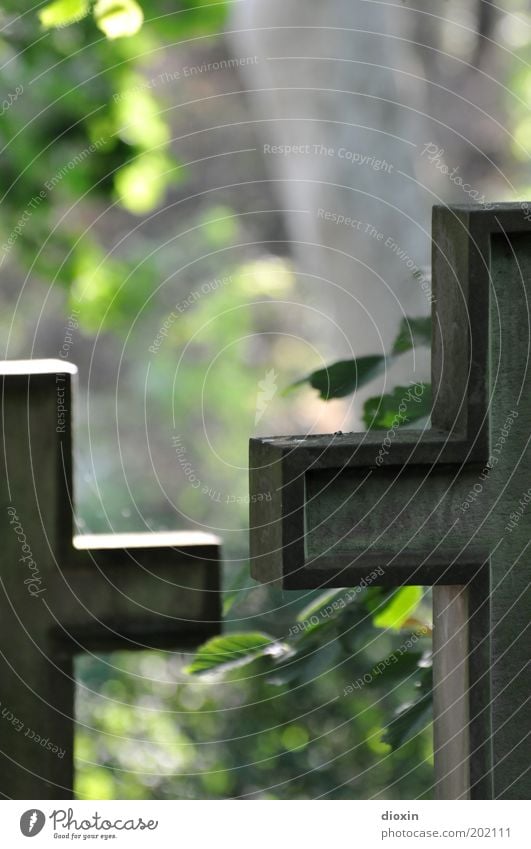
x: 349, y: 82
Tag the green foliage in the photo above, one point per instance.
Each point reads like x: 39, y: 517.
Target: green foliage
x: 347, y: 376
x: 224, y: 653
x: 399, y: 608
x: 335, y: 626
x: 344, y: 377
x: 520, y: 122
x: 141, y: 185
x: 62, y: 13
x: 317, y: 604
x: 219, y: 225
x: 158, y: 734
x: 124, y: 18
x: 411, y: 718
x: 115, y: 18
x: 197, y: 17
x: 118, y: 18
x: 408, y: 666
x: 413, y: 332
x: 101, y: 136
x: 332, y: 630
x: 400, y: 408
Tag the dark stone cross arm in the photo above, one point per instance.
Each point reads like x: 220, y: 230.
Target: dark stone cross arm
x: 342, y: 501
x: 62, y: 594
x: 433, y: 507
x: 151, y: 590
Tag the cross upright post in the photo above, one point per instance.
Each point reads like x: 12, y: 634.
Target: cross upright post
x: 446, y: 506
x: 62, y: 594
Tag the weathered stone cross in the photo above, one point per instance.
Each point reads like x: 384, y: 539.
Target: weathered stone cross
x: 62, y: 594
x: 448, y: 506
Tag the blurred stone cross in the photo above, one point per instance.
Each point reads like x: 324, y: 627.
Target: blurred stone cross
x: 62, y: 594
x: 447, y: 506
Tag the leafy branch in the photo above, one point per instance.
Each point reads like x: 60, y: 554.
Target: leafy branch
x: 334, y: 628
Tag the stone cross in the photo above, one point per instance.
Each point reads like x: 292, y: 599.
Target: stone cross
x: 62, y: 594
x: 447, y: 506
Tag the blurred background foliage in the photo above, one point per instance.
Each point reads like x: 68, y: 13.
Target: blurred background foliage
x: 138, y: 226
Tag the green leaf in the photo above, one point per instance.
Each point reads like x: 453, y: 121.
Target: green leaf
x: 404, y: 666
x: 141, y: 184
x: 62, y: 13
x: 324, y: 610
x: 316, y: 606
x: 402, y: 407
x: 344, y: 377
x: 138, y: 117
x: 411, y: 718
x: 118, y: 18
x: 377, y: 597
x: 408, y: 723
x: 356, y: 631
x: 224, y: 653
x: 402, y: 604
x: 413, y: 332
